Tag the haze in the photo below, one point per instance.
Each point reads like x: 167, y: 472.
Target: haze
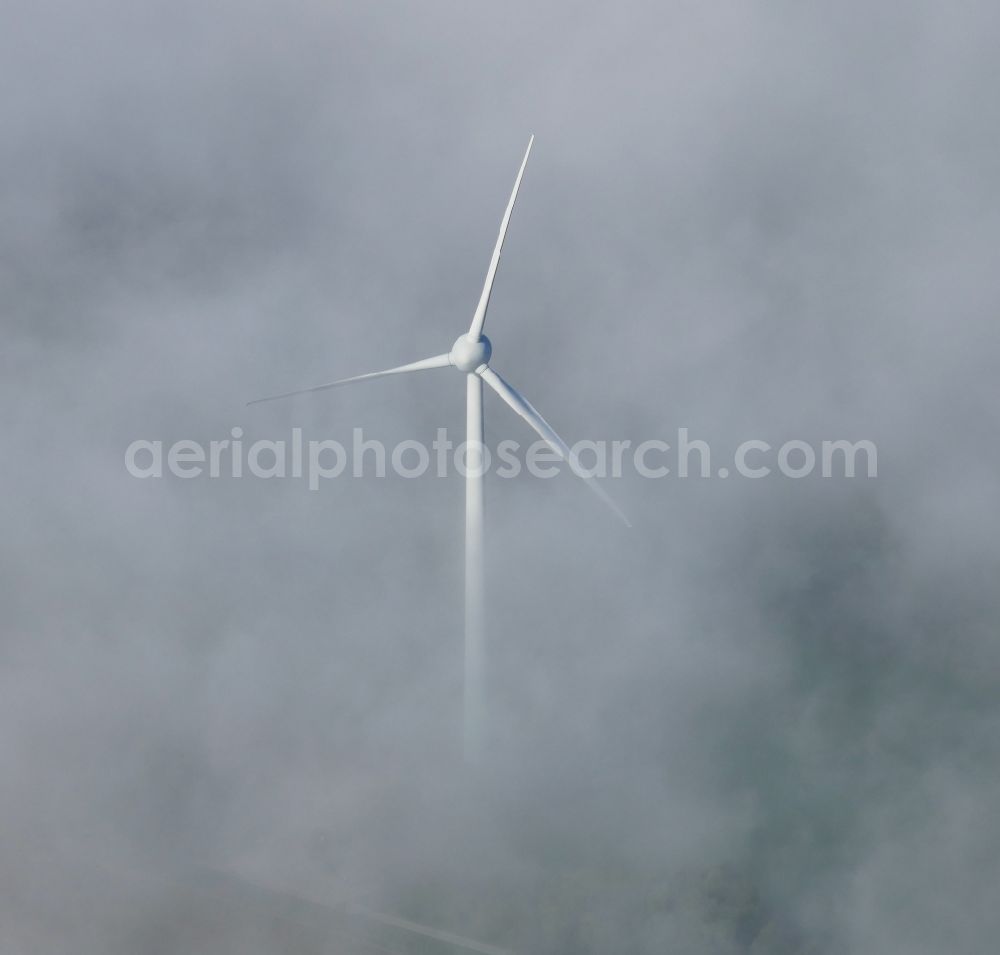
x: 763, y: 719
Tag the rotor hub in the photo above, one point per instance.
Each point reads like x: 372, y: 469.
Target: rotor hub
x: 469, y: 354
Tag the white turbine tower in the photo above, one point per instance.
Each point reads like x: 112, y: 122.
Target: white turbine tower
x: 470, y: 354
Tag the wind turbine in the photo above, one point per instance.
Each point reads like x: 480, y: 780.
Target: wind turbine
x: 470, y: 354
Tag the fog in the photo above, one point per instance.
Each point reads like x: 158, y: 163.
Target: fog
x: 765, y: 718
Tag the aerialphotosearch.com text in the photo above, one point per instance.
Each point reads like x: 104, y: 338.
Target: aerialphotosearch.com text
x: 318, y: 460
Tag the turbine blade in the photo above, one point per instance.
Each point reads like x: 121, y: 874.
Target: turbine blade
x: 479, y: 319
x: 438, y: 361
x: 544, y: 430
x: 339, y: 918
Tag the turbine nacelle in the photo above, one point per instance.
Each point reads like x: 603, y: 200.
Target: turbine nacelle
x: 469, y: 354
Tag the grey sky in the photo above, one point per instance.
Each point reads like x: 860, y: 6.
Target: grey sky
x: 774, y: 220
